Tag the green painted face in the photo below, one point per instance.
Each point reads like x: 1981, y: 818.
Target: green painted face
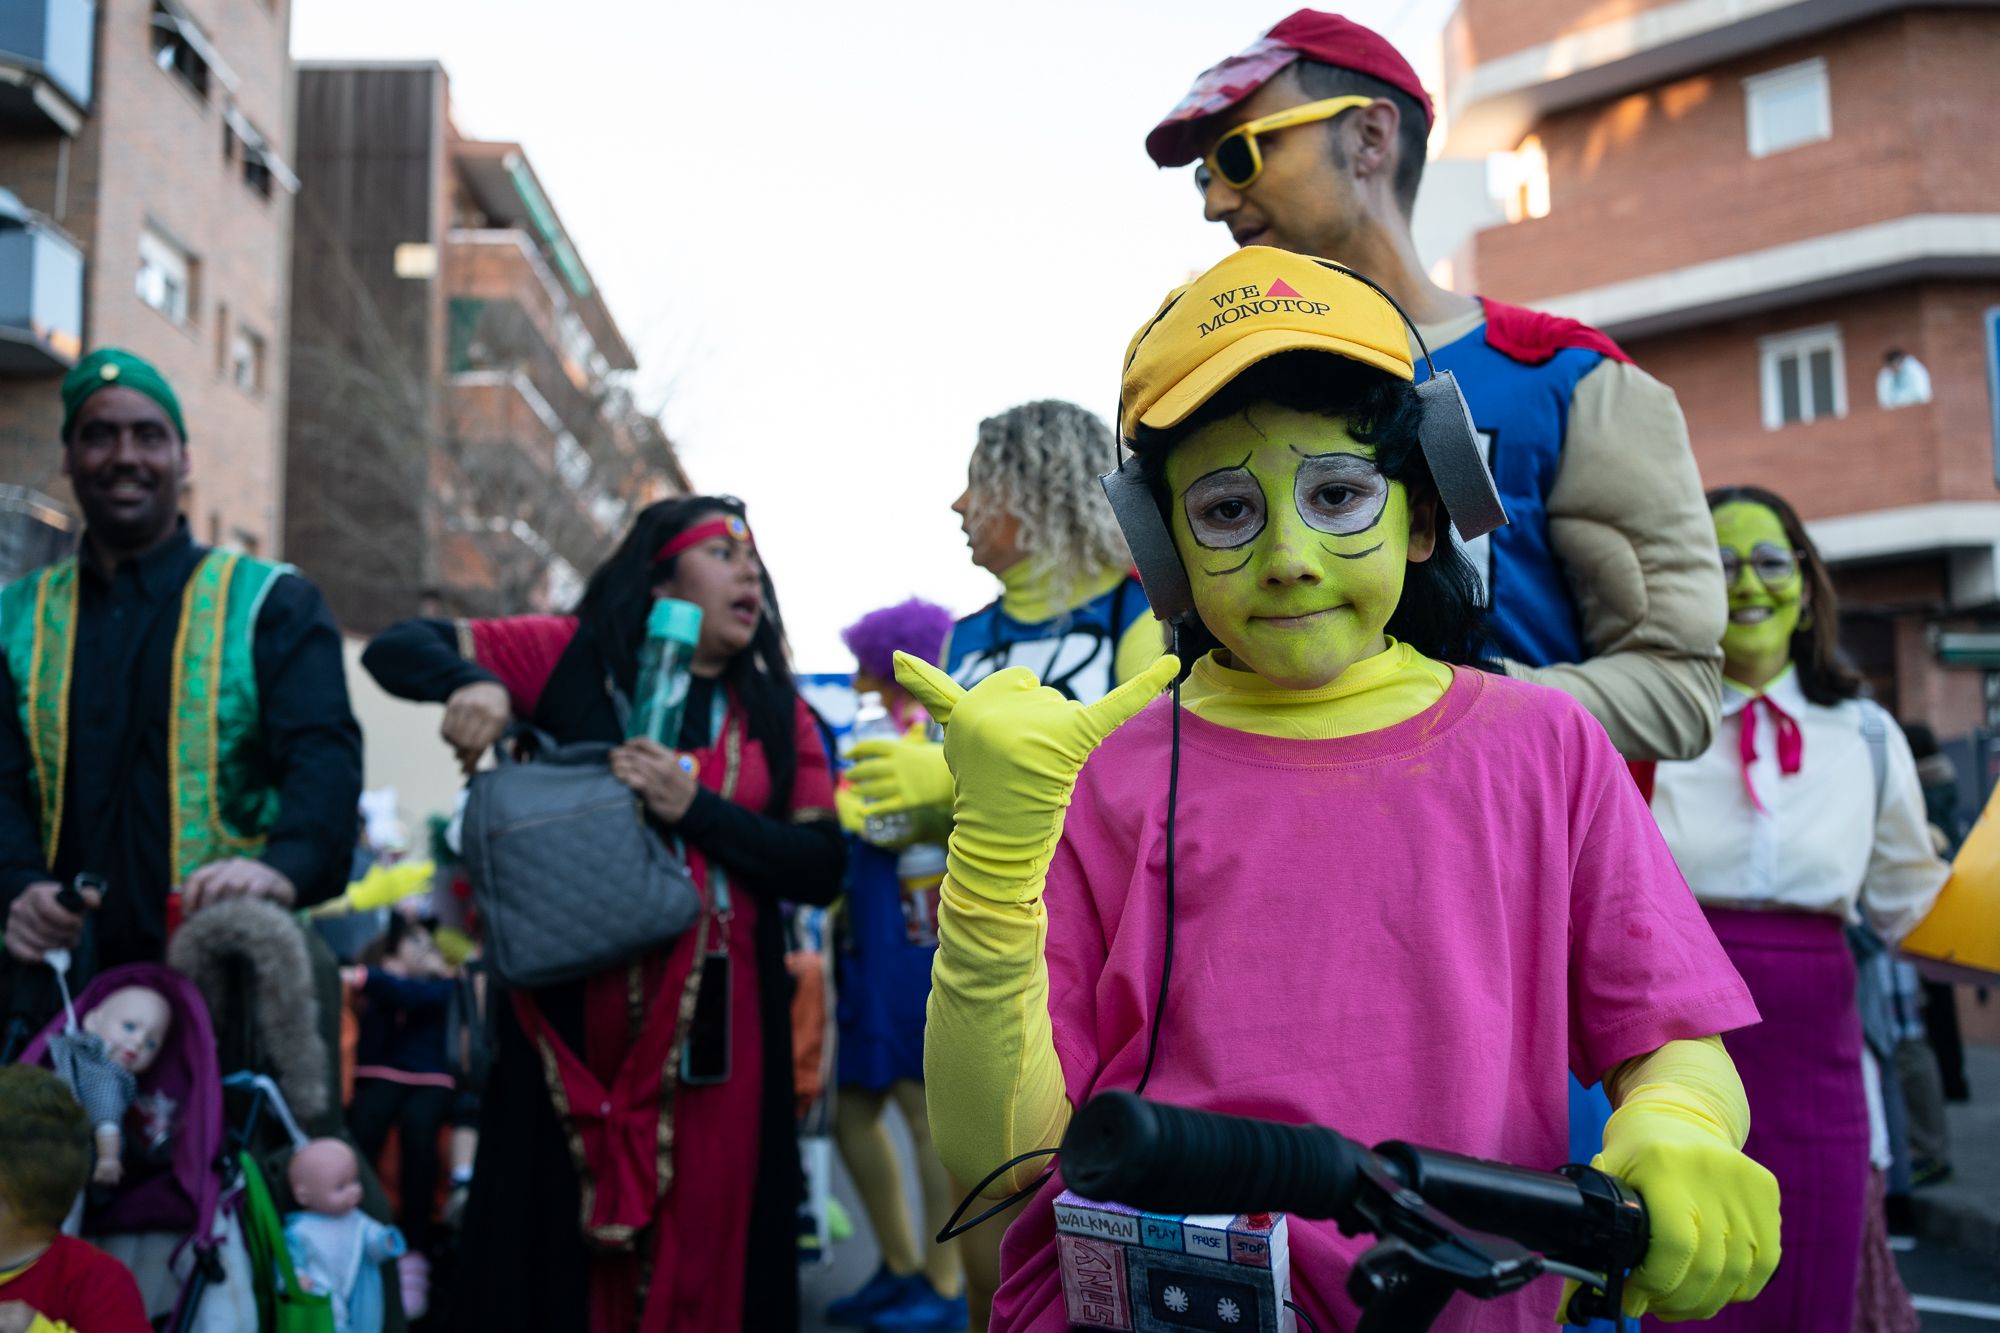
x: 1767, y: 590
x: 1295, y: 544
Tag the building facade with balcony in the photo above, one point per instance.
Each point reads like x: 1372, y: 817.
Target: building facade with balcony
x: 145, y: 202
x: 1765, y: 202
x: 463, y: 440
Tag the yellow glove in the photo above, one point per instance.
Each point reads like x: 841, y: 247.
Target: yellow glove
x: 380, y: 887
x: 904, y: 774
x: 1677, y: 1138
x: 991, y: 1073
x: 1015, y: 747
x: 847, y: 809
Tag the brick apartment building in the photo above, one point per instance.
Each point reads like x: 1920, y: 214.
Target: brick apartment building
x: 462, y: 440
x: 145, y: 202
x: 1760, y: 199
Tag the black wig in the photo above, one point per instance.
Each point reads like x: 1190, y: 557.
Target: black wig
x: 619, y: 597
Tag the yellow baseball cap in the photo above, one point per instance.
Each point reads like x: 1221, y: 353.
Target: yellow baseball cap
x: 1256, y: 303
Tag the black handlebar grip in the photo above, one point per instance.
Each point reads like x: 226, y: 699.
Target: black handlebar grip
x: 1539, y: 1210
x: 1122, y: 1149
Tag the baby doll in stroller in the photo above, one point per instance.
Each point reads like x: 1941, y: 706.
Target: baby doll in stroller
x: 201, y: 1236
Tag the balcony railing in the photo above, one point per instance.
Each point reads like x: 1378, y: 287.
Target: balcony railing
x: 41, y: 294
x: 502, y: 265
x: 46, y: 57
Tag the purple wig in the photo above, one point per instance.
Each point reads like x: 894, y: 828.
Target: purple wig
x: 915, y: 627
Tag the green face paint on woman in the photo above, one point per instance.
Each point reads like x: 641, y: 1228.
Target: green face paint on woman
x: 1767, y: 595
x: 1295, y: 544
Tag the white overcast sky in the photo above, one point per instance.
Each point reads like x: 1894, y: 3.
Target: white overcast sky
x: 837, y: 236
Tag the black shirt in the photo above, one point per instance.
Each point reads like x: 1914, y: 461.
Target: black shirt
x: 116, y: 810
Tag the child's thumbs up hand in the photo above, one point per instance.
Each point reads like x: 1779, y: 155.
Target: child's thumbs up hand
x: 1015, y: 747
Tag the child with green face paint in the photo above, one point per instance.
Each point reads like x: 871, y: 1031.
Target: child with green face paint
x: 1804, y: 812
x: 1412, y: 896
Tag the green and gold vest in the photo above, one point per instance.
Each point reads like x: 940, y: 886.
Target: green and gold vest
x: 221, y: 798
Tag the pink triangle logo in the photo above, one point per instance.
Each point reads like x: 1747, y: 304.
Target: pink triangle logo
x: 1281, y: 288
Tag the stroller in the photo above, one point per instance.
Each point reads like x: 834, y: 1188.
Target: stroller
x: 167, y: 1220
x: 202, y: 1231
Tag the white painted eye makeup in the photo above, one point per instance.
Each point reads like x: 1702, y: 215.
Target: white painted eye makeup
x: 1225, y: 509
x: 1340, y: 494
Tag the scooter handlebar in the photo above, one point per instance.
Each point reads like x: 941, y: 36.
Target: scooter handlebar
x: 1174, y: 1159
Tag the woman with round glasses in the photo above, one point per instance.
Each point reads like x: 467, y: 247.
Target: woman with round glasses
x: 1805, y: 809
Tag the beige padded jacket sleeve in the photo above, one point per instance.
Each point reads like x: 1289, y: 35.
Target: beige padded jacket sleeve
x: 1629, y: 524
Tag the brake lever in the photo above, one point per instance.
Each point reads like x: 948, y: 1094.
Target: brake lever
x: 1591, y: 1303
x: 1423, y: 1255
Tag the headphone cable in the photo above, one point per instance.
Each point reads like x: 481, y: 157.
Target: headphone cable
x: 953, y: 1228
x: 1173, y: 806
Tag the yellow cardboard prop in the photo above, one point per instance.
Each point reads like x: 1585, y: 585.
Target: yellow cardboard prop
x: 1960, y: 939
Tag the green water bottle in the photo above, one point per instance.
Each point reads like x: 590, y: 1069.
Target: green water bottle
x: 671, y: 633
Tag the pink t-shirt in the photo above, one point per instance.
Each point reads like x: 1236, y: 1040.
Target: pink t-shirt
x: 1412, y: 934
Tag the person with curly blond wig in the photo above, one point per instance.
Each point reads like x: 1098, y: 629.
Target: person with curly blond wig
x: 1037, y: 520
x: 1070, y: 609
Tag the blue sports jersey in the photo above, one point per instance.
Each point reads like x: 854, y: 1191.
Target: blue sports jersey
x: 1072, y: 654
x: 1521, y: 412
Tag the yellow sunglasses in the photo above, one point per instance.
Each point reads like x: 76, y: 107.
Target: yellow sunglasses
x: 1236, y: 159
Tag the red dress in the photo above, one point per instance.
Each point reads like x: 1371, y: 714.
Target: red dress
x: 666, y: 1170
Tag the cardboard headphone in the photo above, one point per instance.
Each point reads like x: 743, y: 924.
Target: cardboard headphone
x: 1445, y: 433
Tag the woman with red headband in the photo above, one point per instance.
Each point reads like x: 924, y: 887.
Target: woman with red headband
x: 749, y: 793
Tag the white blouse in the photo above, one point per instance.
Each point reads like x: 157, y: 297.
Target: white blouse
x: 1822, y: 842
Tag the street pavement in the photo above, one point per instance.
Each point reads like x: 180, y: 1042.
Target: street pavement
x: 1954, y: 1268
x: 1956, y: 1291
x: 854, y: 1261
x: 1964, y: 1211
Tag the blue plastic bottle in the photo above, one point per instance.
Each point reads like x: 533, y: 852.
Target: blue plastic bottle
x: 672, y: 630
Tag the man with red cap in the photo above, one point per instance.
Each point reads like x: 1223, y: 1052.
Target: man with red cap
x: 1605, y: 582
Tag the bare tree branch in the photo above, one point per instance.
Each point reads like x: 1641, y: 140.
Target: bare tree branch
x: 486, y: 482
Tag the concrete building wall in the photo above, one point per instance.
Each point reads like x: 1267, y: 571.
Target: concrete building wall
x: 404, y: 749
x: 1662, y: 177
x: 500, y: 265
x: 151, y: 152
x: 1887, y: 612
x: 1872, y: 458
x: 369, y: 340
x: 1482, y: 30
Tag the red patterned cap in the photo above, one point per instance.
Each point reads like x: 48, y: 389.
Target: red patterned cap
x: 1308, y: 34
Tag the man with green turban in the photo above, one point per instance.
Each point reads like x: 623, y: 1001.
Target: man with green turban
x: 176, y: 716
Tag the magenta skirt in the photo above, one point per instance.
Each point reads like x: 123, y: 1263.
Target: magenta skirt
x: 1801, y: 1068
